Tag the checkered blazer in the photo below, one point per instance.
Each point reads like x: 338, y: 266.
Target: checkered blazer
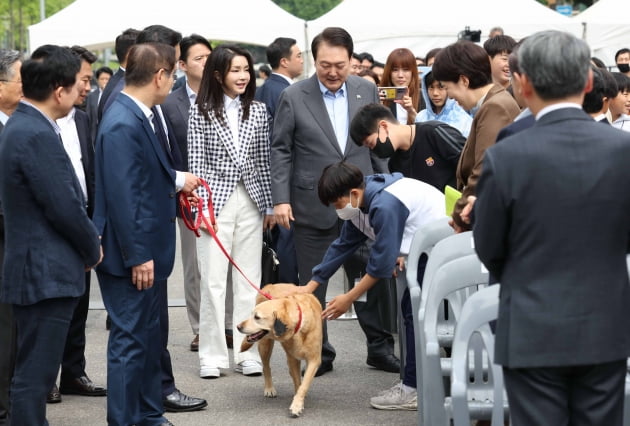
x: 213, y: 156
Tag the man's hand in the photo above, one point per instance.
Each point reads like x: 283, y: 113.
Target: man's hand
x: 142, y: 275
x: 192, y: 182
x: 336, y: 307
x: 400, y: 265
x: 269, y: 222
x: 284, y: 214
x: 100, y: 259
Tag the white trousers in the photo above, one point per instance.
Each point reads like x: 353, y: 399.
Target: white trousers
x: 240, y: 232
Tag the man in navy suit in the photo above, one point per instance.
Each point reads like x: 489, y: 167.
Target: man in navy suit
x: 10, y: 95
x: 136, y: 186
x: 552, y: 224
x: 49, y: 239
x: 75, y: 134
x: 103, y: 75
x: 287, y: 63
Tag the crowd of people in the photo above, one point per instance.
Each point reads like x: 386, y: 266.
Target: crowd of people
x: 342, y: 175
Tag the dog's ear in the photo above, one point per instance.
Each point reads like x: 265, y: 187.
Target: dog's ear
x: 279, y: 328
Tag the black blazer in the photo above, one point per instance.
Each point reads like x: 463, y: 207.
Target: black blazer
x: 87, y: 155
x: 114, y: 85
x: 176, y: 110
x: 552, y: 224
x: 269, y: 92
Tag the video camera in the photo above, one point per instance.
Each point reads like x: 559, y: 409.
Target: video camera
x: 467, y: 34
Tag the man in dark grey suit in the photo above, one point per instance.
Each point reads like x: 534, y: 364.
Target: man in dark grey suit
x: 10, y: 95
x: 50, y: 241
x: 310, y: 132
x: 552, y: 224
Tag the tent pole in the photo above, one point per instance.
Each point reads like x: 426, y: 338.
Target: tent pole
x: 307, y: 70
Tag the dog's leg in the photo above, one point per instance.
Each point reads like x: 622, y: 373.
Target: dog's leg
x: 265, y: 347
x: 294, y: 371
x: 297, y: 406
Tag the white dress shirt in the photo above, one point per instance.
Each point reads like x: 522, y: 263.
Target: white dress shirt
x: 72, y: 145
x: 232, y: 108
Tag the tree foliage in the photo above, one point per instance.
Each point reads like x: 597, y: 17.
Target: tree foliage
x: 307, y: 9
x: 17, y: 15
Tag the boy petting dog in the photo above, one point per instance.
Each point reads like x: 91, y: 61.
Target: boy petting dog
x: 387, y: 209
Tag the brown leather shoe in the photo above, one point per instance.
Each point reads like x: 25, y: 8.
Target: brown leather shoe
x: 53, y: 396
x: 81, y: 386
x: 194, y: 345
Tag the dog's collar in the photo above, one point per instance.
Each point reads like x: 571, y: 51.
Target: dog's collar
x: 299, y: 323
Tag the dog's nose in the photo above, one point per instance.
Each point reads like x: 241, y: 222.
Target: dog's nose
x: 239, y: 328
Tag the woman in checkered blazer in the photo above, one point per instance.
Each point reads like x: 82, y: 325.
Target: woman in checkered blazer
x: 228, y: 147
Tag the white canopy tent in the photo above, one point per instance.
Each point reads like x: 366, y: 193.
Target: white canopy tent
x: 606, y: 28
x: 95, y: 25
x: 421, y: 25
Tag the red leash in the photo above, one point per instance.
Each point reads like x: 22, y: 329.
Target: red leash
x: 194, y: 226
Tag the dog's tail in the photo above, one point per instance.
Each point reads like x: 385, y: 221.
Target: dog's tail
x: 245, y: 345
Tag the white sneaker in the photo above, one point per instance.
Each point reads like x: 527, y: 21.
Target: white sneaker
x: 209, y: 372
x: 249, y: 367
x: 396, y: 398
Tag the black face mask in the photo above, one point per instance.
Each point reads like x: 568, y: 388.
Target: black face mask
x: 624, y: 68
x: 383, y: 149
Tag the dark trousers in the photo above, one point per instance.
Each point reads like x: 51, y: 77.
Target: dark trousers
x: 409, y: 376
x: 7, y: 359
x: 134, y: 349
x: 41, y: 334
x: 168, y: 380
x: 73, y: 361
x: 285, y: 250
x: 590, y: 395
x: 311, y: 245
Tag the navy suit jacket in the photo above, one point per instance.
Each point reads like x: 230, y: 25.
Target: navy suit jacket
x: 552, y: 224
x: 517, y: 126
x: 135, y: 191
x: 111, y: 90
x: 87, y: 155
x: 176, y: 111
x: 49, y: 238
x: 269, y: 92
x: 91, y: 108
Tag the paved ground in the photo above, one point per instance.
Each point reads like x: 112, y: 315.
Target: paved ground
x: 337, y: 398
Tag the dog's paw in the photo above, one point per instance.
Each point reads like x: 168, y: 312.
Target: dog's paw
x: 271, y: 392
x: 296, y: 409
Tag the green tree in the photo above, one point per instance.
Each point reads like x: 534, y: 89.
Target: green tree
x: 17, y: 15
x: 307, y: 9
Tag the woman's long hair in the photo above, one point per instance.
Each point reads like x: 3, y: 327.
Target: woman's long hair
x: 403, y: 58
x: 210, y: 97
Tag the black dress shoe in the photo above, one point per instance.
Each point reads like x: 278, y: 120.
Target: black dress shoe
x: 194, y: 345
x: 81, y: 386
x: 108, y: 323
x: 323, y: 368
x: 167, y: 423
x: 53, y: 396
x: 388, y: 363
x: 178, y: 402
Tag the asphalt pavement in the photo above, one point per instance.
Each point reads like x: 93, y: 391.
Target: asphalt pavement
x: 340, y: 397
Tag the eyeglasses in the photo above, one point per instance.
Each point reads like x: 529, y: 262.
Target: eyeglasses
x: 11, y: 81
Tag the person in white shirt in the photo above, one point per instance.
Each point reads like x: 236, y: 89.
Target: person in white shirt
x: 228, y: 147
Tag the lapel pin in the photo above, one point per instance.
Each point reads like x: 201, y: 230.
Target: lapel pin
x: 358, y: 96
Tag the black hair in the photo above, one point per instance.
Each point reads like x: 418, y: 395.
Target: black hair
x: 623, y: 82
x: 278, y: 49
x: 101, y: 70
x: 264, y: 69
x: 598, y: 62
x: 463, y: 58
x: 365, y: 56
x: 210, y: 96
x: 611, y: 89
x: 337, y: 180
x: 594, y: 100
x: 431, y: 54
x: 83, y: 54
x: 124, y: 42
x: 187, y: 42
x: 621, y: 52
x: 365, y: 121
x: 159, y: 34
x: 49, y: 68
x: 499, y: 44
x: 333, y: 36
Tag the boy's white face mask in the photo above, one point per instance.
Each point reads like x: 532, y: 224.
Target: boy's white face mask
x: 349, y: 212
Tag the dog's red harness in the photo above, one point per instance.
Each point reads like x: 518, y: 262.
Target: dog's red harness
x: 194, y: 226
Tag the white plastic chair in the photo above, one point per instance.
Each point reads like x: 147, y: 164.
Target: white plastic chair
x: 449, y: 279
x: 422, y: 243
x: 484, y: 395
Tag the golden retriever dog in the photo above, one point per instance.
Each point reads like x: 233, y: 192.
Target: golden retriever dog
x: 295, y: 321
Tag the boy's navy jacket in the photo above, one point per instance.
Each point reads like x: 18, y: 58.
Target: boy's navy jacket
x: 393, y: 208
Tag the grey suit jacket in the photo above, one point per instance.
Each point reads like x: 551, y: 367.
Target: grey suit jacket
x: 304, y: 143
x: 552, y: 224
